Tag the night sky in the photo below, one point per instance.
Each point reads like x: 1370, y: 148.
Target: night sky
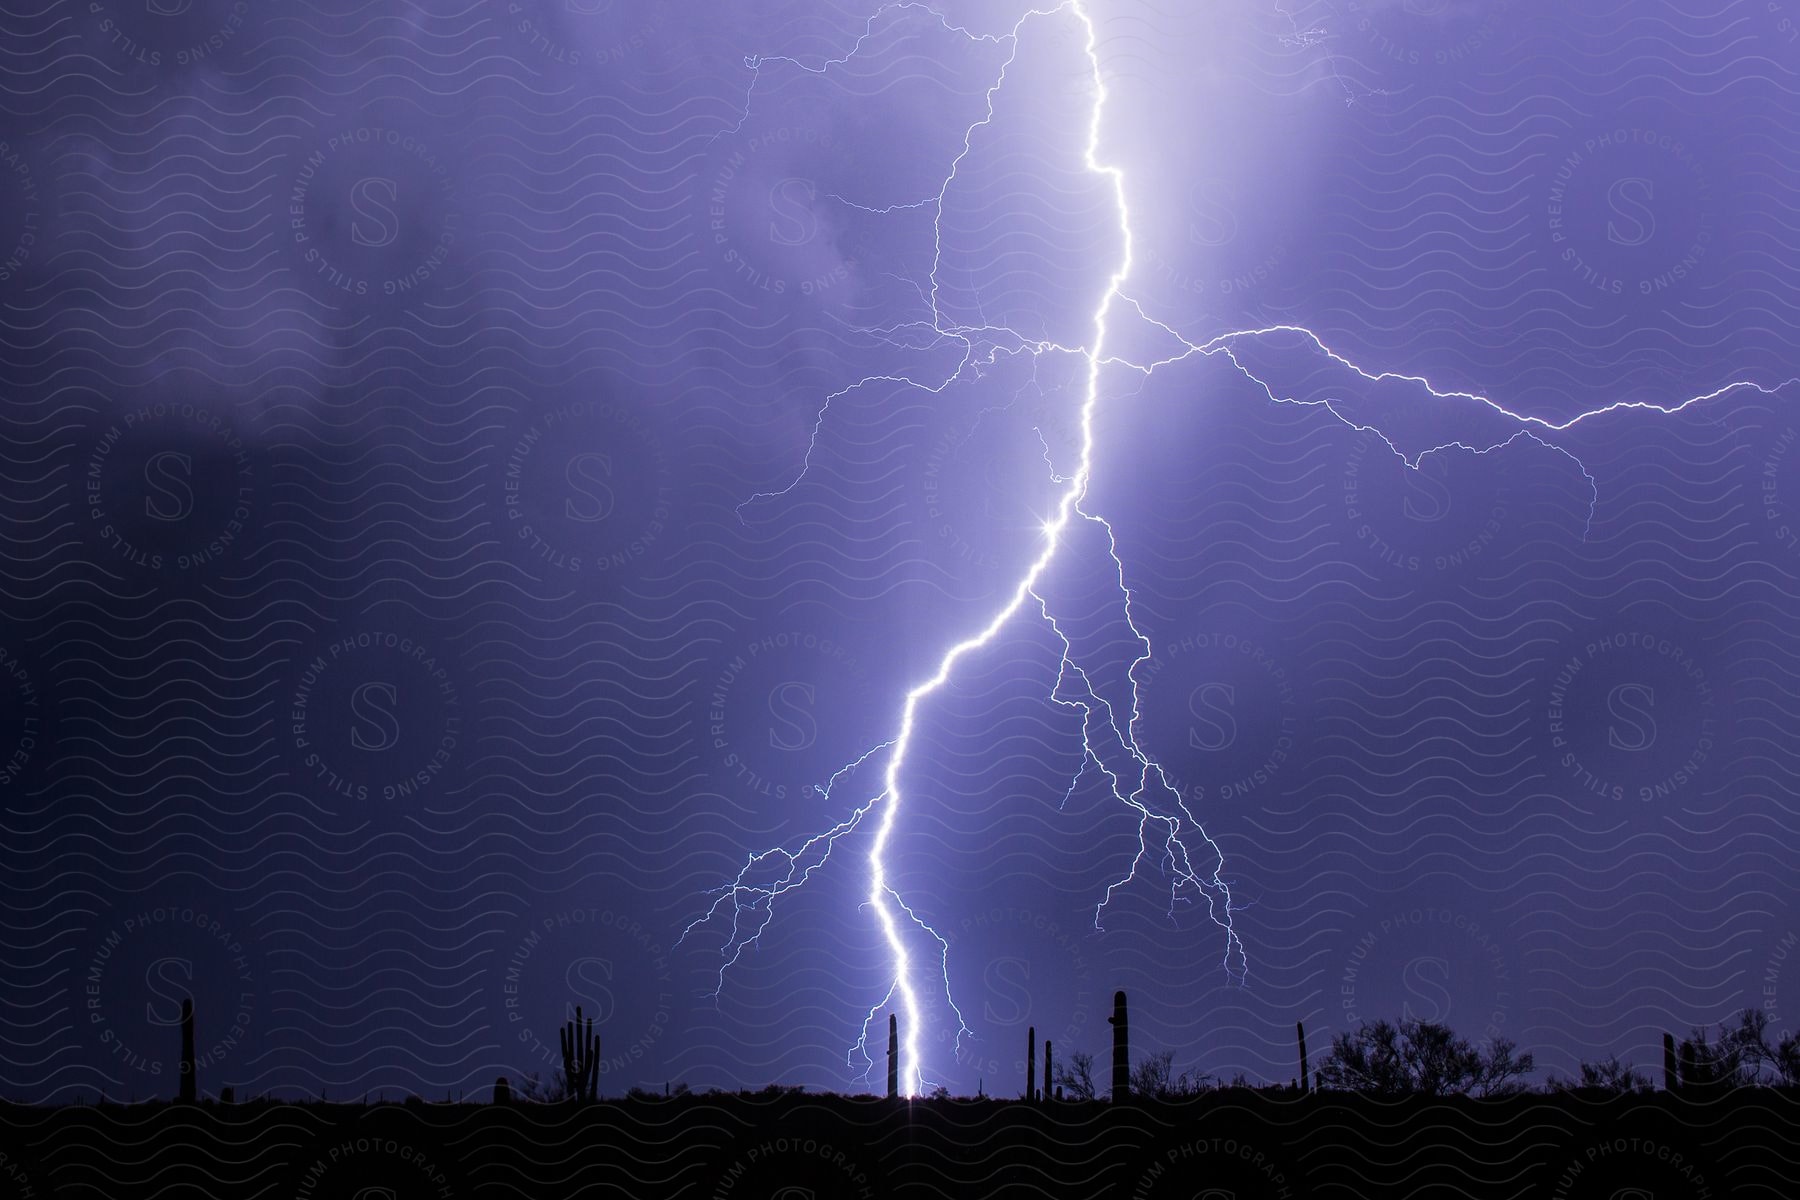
x: 473, y: 473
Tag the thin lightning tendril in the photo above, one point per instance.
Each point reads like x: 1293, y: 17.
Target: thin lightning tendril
x: 766, y: 875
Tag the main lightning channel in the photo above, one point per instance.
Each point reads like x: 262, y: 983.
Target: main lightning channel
x: 1075, y: 489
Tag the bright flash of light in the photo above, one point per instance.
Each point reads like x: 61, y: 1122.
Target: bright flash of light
x: 1163, y: 831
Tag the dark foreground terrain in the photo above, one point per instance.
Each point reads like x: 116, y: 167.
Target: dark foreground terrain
x: 1228, y: 1145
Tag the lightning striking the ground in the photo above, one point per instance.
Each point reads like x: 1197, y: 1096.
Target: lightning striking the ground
x: 1169, y: 835
x: 1166, y: 828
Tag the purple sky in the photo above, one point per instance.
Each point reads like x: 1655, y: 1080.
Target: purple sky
x: 472, y: 473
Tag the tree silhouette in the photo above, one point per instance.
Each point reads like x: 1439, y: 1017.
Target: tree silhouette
x: 1711, y: 1068
x: 1781, y: 1059
x: 1739, y: 1058
x: 1420, y: 1058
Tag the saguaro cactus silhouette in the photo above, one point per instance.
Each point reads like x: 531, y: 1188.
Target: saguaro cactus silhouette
x: 1300, y: 1028
x: 1121, y: 1081
x: 188, y: 1083
x: 1668, y: 1062
x: 1031, y: 1064
x: 893, y: 1057
x: 502, y: 1091
x: 581, y: 1057
x: 1045, y: 1094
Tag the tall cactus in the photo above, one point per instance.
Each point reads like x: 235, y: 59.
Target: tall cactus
x: 1668, y: 1062
x: 1031, y: 1064
x: 1047, y: 1075
x: 1121, y: 1073
x: 893, y: 1057
x: 581, y: 1057
x: 1300, y: 1028
x: 189, y: 1085
x: 502, y: 1091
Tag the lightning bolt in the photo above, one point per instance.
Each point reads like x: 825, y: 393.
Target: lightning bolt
x: 753, y: 895
x: 1164, y: 829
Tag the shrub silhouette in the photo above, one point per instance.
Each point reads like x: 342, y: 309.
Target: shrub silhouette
x: 1605, y: 1074
x: 534, y: 1089
x: 1420, y: 1058
x: 1076, y: 1076
x: 1154, y: 1078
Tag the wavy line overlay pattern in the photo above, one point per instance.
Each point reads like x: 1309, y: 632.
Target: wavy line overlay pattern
x: 476, y: 475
